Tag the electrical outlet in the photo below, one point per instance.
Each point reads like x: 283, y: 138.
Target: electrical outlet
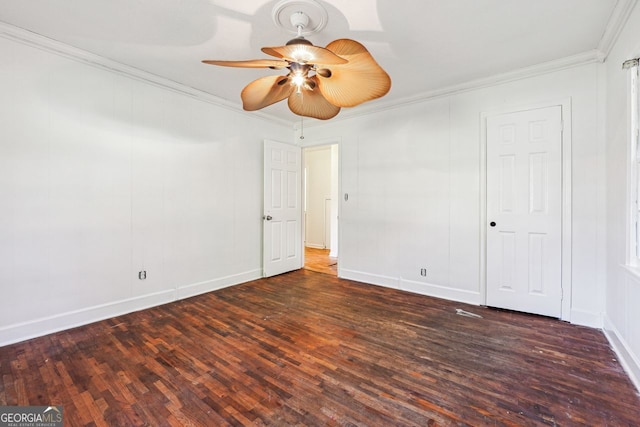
x: 142, y: 274
x: 423, y: 272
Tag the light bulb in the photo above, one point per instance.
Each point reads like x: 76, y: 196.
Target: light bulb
x: 302, y: 55
x: 297, y: 79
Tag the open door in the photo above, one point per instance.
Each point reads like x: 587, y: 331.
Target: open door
x: 282, y: 230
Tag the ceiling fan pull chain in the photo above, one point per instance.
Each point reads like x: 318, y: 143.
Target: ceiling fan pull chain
x: 301, y: 127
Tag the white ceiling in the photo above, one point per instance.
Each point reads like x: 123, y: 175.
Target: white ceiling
x: 424, y: 45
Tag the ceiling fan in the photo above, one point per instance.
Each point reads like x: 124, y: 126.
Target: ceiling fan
x: 319, y: 81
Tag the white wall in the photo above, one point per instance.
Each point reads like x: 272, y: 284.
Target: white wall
x: 413, y: 178
x: 622, y: 320
x: 101, y: 176
x: 317, y: 163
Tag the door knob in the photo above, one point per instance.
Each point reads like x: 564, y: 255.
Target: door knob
x: 492, y: 223
x: 267, y: 217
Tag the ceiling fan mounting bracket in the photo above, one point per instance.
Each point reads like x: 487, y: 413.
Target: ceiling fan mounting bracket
x: 308, y: 15
x: 299, y: 20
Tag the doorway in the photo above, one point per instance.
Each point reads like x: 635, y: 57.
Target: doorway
x: 320, y: 209
x: 524, y: 211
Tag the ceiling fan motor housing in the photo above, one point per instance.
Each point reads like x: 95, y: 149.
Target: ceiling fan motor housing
x: 299, y: 40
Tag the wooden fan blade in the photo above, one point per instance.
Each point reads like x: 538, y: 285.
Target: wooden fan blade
x: 304, y: 54
x: 311, y: 103
x: 252, y: 63
x: 265, y: 91
x: 358, y: 81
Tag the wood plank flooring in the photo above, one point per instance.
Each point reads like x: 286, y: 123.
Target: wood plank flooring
x: 318, y: 260
x: 309, y: 349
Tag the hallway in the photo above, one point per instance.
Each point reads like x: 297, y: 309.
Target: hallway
x: 318, y: 260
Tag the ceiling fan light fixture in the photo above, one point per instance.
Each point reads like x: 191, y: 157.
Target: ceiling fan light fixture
x: 299, y: 75
x: 320, y: 80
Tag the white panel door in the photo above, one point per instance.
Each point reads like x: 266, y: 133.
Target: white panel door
x: 282, y: 211
x: 524, y: 211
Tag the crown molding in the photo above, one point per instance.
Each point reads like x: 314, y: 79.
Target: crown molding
x: 38, y: 41
x: 617, y: 20
x: 592, y: 56
x: 621, y: 12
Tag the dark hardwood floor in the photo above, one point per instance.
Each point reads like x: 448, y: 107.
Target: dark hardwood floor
x: 318, y: 260
x: 309, y: 349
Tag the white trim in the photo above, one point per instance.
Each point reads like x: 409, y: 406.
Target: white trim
x: 313, y: 245
x: 318, y: 145
x: 589, y: 57
x: 421, y: 288
x: 616, y: 23
x: 28, y: 38
x: 565, y: 105
x: 47, y: 325
x: 631, y: 257
x: 586, y: 318
x: 339, y: 202
x: 194, y: 289
x: 60, y: 322
x: 437, y: 291
x: 371, y: 279
x: 626, y: 357
x: 600, y: 260
x: 567, y: 203
x: 483, y: 209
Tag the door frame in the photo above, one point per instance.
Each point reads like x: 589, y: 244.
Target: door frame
x: 565, y: 106
x: 314, y: 144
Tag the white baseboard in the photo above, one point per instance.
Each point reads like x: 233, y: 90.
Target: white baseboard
x: 452, y: 294
x: 194, y: 289
x: 586, y: 318
x: 36, y: 328
x: 628, y: 360
x: 372, y: 279
x: 314, y: 246
x: 426, y: 289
